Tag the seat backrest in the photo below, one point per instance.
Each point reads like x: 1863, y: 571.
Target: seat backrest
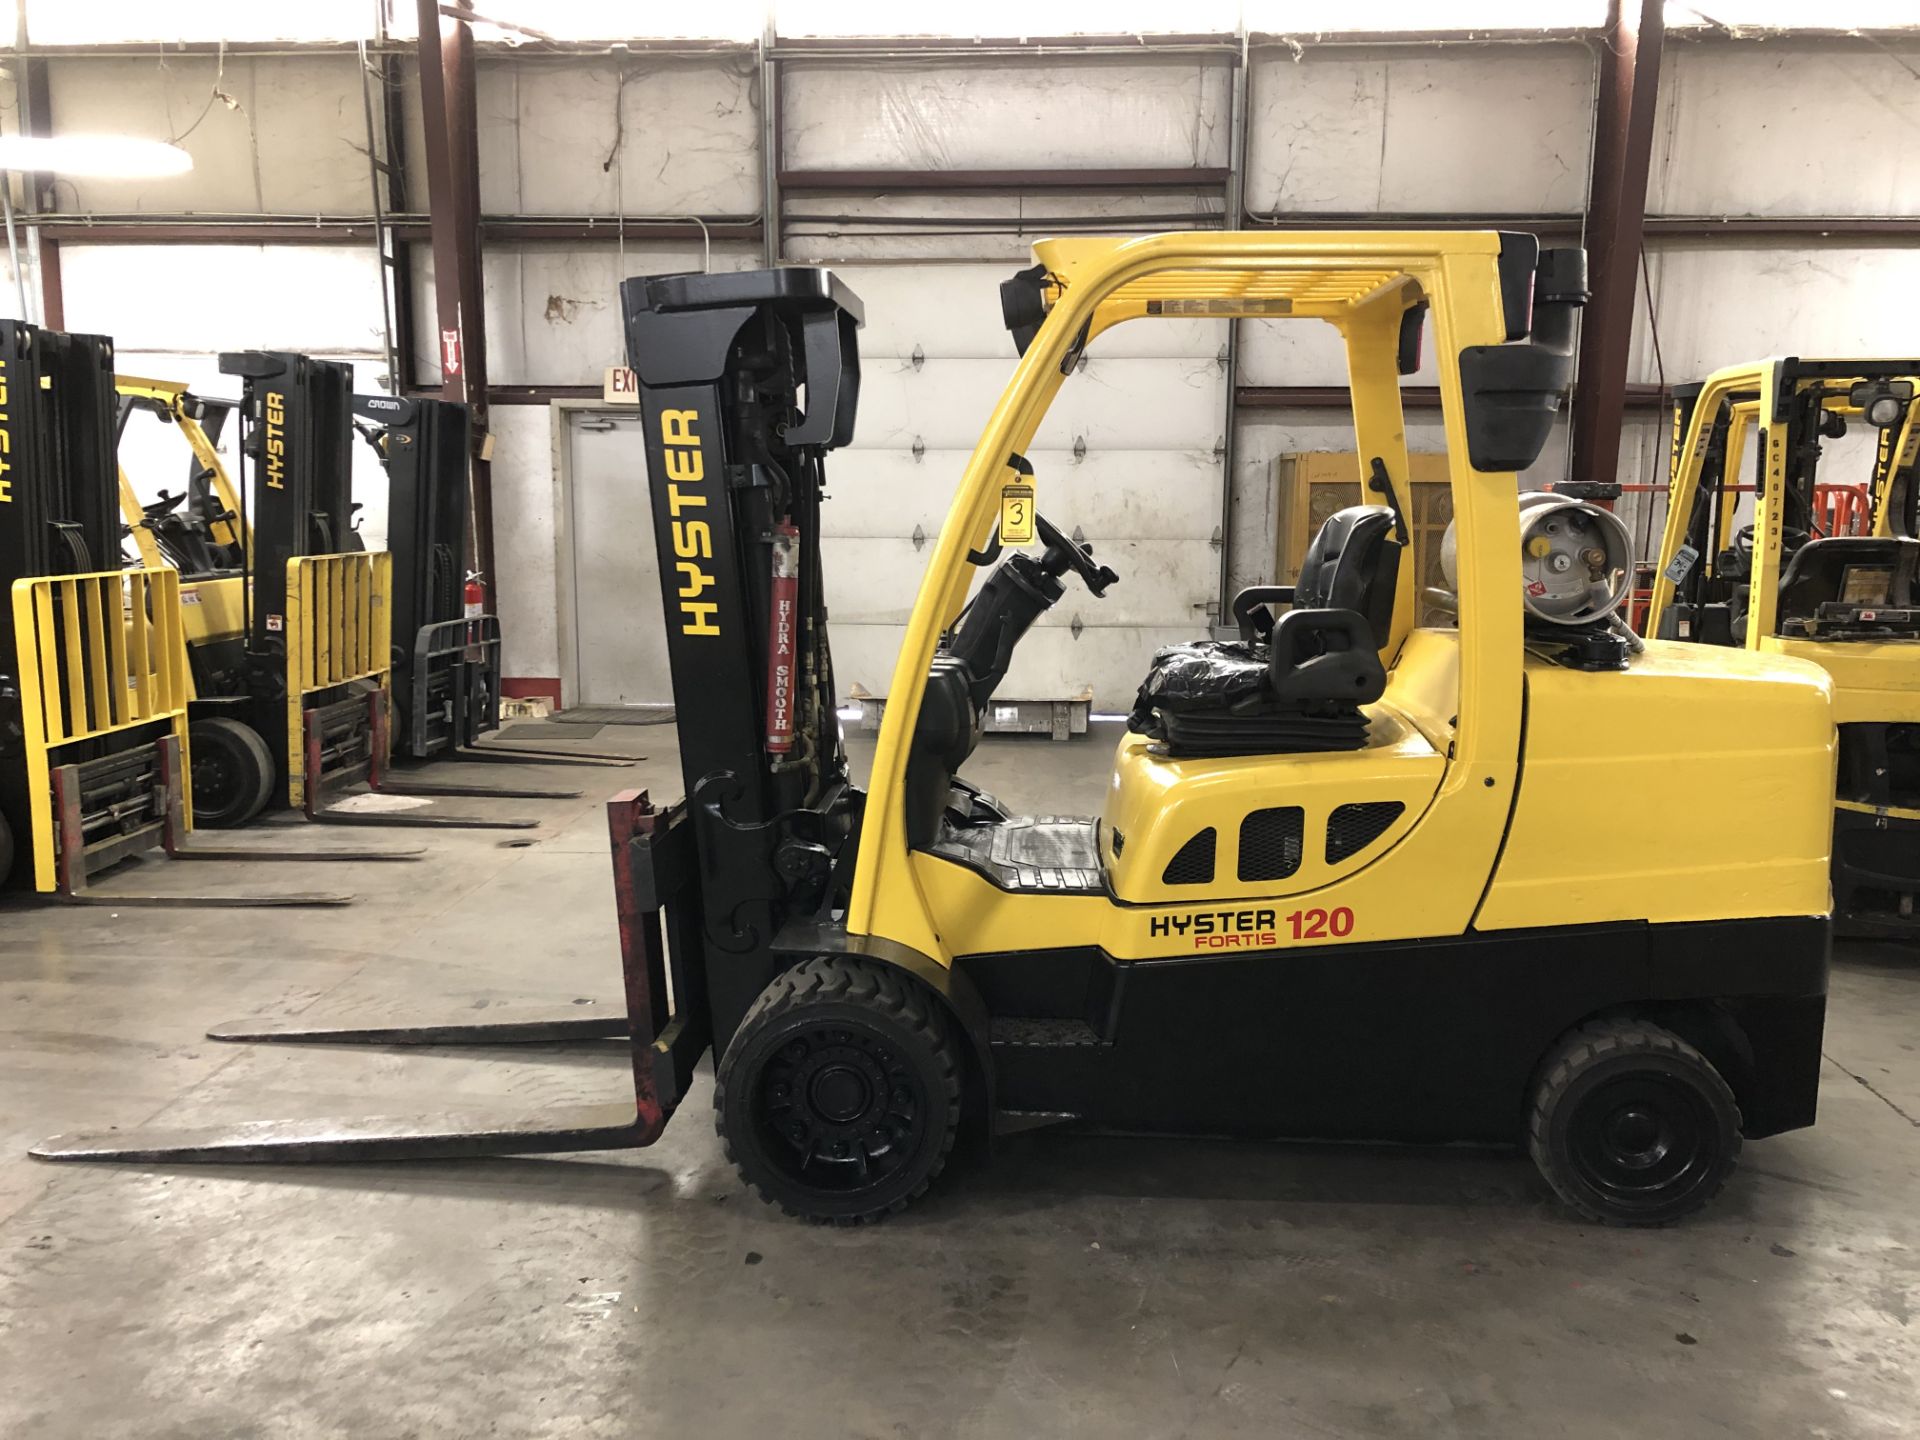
x: 1353, y: 564
x: 1821, y: 571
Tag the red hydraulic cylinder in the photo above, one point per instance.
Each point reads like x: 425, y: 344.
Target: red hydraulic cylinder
x: 782, y: 637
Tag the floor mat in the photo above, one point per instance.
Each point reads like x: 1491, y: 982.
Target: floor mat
x: 614, y: 715
x: 542, y: 729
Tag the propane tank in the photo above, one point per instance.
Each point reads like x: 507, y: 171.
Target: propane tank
x: 1576, y: 560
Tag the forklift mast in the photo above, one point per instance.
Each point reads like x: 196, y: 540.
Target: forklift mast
x: 446, y: 663
x: 422, y: 444
x: 296, y: 437
x: 59, y: 497
x: 746, y: 381
x: 59, y: 481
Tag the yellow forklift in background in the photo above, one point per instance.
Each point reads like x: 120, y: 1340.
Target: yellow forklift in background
x: 1779, y: 585
x: 1351, y: 877
x: 94, y: 686
x: 289, y: 619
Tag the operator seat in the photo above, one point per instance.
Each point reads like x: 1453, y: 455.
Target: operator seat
x: 1851, y: 582
x: 1295, y: 683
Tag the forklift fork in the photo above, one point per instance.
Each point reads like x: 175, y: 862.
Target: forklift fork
x: 105, y: 795
x: 460, y: 659
x: 653, y: 861
x: 340, y: 751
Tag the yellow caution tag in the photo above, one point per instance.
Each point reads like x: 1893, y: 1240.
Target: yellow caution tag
x: 1016, y: 515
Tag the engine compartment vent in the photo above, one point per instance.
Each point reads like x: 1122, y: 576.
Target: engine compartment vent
x: 1352, y: 828
x: 1271, y: 842
x: 1192, y: 864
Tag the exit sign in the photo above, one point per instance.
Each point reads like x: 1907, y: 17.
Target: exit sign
x: 621, y: 386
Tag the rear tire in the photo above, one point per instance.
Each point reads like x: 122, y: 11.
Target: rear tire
x: 233, y: 772
x: 6, y: 850
x: 1631, y: 1125
x: 839, y: 1096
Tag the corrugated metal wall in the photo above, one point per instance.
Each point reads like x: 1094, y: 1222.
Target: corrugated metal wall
x: 1133, y: 454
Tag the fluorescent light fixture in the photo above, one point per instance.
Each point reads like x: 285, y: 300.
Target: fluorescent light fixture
x: 115, y: 157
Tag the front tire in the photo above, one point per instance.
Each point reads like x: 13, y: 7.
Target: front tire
x: 839, y: 1096
x: 1631, y: 1125
x: 232, y: 770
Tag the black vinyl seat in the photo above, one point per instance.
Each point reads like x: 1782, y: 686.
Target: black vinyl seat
x: 1293, y: 681
x: 1852, y: 585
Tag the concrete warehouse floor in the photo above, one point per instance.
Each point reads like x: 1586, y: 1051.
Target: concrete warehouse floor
x: 1078, y: 1286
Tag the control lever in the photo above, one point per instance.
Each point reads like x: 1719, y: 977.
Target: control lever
x: 1075, y: 557
x: 1379, y: 483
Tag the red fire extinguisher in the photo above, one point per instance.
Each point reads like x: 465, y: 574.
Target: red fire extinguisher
x: 474, y: 597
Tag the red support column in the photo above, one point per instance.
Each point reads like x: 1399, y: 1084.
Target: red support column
x: 1616, y: 221
x: 451, y: 126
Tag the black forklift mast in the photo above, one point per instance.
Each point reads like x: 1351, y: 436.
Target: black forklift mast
x: 445, y: 671
x: 296, y: 439
x: 422, y: 445
x: 746, y: 381
x: 59, y: 501
x: 59, y: 481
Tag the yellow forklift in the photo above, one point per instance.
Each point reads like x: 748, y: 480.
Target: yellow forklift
x: 1780, y: 586
x: 94, y: 685
x: 1351, y: 877
x: 293, y: 658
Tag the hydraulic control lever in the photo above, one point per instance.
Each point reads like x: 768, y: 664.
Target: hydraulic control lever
x: 1072, y: 555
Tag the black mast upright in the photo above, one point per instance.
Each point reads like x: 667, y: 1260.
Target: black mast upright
x: 746, y: 381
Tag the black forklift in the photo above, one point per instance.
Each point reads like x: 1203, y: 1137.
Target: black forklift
x: 446, y: 645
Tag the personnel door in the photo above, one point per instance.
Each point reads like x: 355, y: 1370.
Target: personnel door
x: 611, y: 589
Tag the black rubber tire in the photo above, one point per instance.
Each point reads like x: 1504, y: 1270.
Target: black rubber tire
x: 1631, y: 1125
x: 6, y: 850
x: 854, y: 1019
x: 233, y: 772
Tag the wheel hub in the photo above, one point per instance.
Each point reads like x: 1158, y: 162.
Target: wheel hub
x: 213, y: 776
x: 1641, y: 1140
x: 843, y: 1107
x: 840, y: 1093
x: 1637, y: 1137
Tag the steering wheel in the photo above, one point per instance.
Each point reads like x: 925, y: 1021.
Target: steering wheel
x: 1791, y: 539
x: 165, y: 505
x: 1073, y: 556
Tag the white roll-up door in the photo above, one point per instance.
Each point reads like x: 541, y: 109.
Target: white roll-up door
x: 1128, y: 456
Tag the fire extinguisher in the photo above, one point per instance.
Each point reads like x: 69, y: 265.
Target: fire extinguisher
x: 474, y: 597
